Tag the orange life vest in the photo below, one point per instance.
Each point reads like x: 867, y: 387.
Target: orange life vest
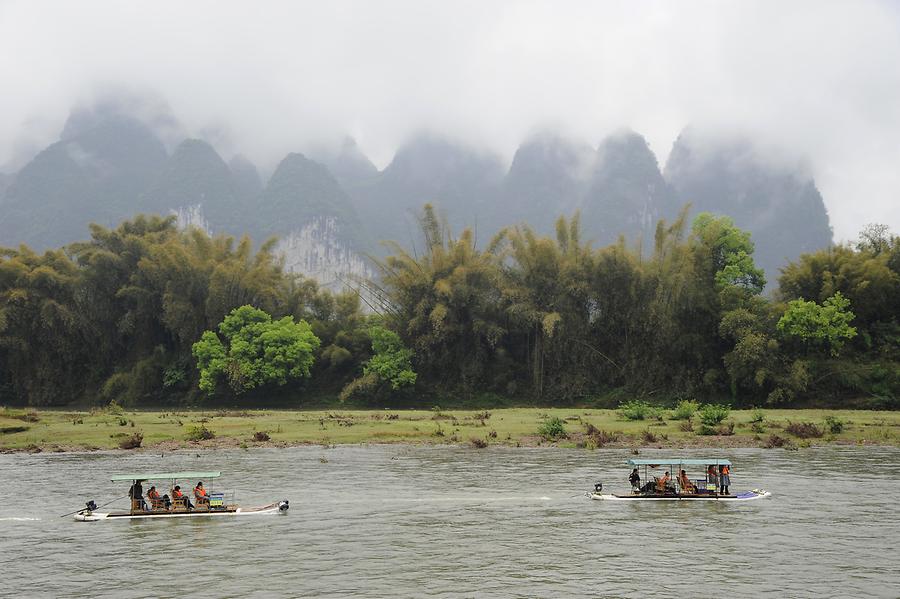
x: 177, y: 494
x: 154, y: 494
x: 725, y: 470
x: 199, y: 492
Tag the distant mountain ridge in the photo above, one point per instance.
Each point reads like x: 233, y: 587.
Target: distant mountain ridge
x: 461, y: 181
x: 546, y: 178
x: 782, y: 208
x: 93, y: 174
x: 617, y: 187
x: 331, y: 209
x: 195, y: 175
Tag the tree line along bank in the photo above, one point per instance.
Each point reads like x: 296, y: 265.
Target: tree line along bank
x: 147, y: 314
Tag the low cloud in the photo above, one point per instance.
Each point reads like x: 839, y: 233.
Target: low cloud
x: 812, y: 82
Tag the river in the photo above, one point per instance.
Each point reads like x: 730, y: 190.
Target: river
x: 409, y: 521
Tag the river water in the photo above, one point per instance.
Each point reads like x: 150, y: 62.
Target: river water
x: 403, y: 521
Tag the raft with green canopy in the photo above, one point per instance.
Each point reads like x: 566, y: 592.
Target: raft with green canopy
x: 179, y: 505
x: 165, y: 476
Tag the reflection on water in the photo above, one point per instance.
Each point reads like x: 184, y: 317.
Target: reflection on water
x: 387, y: 521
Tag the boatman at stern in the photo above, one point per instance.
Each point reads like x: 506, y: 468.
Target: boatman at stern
x: 724, y: 479
x: 136, y: 493
x: 635, y: 480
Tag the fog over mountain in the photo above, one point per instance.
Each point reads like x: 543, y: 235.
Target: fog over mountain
x: 781, y: 206
x: 329, y: 213
x: 462, y: 181
x: 96, y: 172
x: 329, y: 125
x: 811, y: 81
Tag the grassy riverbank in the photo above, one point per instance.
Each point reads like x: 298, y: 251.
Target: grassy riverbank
x: 28, y: 430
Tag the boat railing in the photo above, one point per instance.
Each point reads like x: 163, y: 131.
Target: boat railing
x: 220, y: 500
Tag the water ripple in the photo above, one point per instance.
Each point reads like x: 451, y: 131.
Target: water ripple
x: 457, y: 522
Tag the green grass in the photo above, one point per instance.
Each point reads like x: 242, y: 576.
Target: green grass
x: 66, y: 430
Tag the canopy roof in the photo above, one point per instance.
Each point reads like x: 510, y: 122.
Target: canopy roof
x: 680, y: 461
x: 164, y: 475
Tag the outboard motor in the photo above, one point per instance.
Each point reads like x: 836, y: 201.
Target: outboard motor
x: 284, y: 505
x: 90, y: 506
x: 598, y: 486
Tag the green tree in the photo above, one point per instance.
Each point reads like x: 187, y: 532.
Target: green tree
x: 444, y: 303
x: 42, y: 334
x: 390, y: 360
x: 754, y: 361
x: 252, y: 350
x: 677, y: 314
x: 868, y: 275
x: 826, y: 325
x: 730, y: 251
x: 875, y: 238
x: 544, y: 290
x: 152, y: 289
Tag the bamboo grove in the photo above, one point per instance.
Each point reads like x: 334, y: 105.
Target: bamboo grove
x: 528, y: 319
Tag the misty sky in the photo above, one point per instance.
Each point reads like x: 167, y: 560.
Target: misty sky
x: 816, y: 82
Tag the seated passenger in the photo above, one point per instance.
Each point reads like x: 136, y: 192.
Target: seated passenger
x: 712, y: 478
x: 663, y: 482
x: 156, y: 502
x: 181, y: 499
x: 200, y: 495
x: 686, y: 485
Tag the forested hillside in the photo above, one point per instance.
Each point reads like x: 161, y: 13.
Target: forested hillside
x: 527, y: 318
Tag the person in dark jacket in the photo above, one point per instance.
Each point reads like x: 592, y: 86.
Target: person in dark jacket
x: 136, y: 493
x: 635, y: 480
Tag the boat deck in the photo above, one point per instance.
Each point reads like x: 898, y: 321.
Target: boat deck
x: 157, y: 513
x: 743, y: 496
x: 272, y: 508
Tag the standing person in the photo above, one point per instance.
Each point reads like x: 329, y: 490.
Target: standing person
x: 712, y: 478
x: 724, y: 479
x: 635, y: 480
x: 136, y: 493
